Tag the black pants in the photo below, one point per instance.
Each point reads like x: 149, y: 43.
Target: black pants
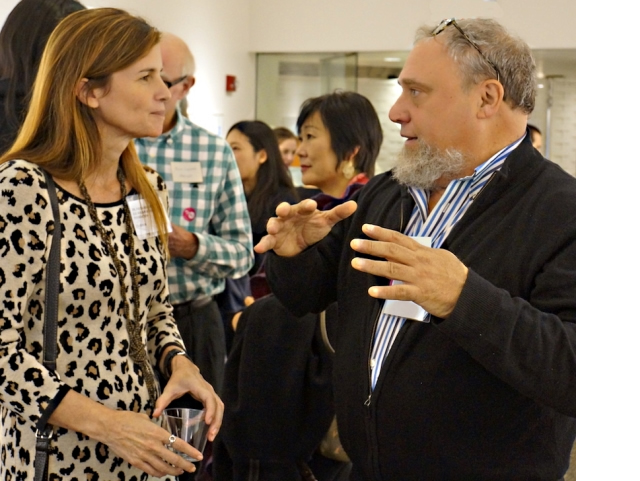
x: 200, y: 325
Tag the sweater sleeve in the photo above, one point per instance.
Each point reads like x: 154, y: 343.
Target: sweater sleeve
x: 162, y: 330
x: 529, y: 344
x: 308, y: 281
x: 27, y: 388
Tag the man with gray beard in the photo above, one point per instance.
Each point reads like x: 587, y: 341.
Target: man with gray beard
x: 423, y: 166
x: 454, y: 275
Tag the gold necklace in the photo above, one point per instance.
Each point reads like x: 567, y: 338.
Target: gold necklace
x: 137, y: 350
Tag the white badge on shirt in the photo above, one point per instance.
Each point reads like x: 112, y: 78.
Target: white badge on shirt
x: 189, y: 172
x: 407, y: 309
x: 143, y: 221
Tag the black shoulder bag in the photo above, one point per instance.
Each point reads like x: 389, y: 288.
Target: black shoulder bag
x: 52, y: 290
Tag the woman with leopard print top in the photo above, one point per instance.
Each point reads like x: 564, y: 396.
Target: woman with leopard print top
x: 98, y: 87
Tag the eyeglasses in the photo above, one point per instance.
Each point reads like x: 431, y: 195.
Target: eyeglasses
x: 452, y: 21
x: 170, y: 83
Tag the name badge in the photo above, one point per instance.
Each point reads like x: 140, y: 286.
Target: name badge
x: 407, y: 309
x: 189, y: 172
x: 143, y: 221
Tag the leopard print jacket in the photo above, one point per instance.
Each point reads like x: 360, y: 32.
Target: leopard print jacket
x: 92, y: 337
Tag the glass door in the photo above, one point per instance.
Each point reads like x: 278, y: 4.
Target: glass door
x: 339, y: 72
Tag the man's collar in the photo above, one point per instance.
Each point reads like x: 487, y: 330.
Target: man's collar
x: 177, y: 128
x: 421, y: 196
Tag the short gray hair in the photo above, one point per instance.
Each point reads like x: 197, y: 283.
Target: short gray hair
x: 509, y: 53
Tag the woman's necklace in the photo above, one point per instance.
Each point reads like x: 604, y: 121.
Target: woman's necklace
x: 136, y: 349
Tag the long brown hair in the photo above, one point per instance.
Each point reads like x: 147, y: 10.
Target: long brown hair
x: 59, y: 132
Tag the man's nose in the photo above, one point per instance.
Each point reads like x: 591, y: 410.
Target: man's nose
x: 397, y: 113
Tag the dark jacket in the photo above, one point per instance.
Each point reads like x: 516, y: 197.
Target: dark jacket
x: 488, y: 393
x: 277, y: 386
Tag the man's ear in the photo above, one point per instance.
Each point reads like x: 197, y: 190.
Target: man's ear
x: 491, y: 95
x: 186, y: 86
x: 86, y: 94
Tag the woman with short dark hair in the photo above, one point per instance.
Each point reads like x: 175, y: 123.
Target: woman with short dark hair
x: 350, y: 123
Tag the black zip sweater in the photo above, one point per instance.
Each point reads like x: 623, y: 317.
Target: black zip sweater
x: 489, y: 392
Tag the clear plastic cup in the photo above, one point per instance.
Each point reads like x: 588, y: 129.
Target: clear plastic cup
x: 188, y: 425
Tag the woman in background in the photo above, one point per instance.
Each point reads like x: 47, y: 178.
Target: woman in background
x: 22, y: 40
x: 266, y: 183
x: 264, y: 175
x: 277, y: 381
x: 340, y: 138
x: 288, y: 143
x: 98, y: 87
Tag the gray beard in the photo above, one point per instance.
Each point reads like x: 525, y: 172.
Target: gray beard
x: 423, y: 166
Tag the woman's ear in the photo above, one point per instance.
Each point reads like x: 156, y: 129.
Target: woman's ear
x: 86, y: 94
x: 491, y: 95
x: 262, y: 156
x: 352, y: 155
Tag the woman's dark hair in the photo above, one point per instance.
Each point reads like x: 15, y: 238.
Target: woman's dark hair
x: 352, y: 122
x: 22, y: 40
x: 273, y: 175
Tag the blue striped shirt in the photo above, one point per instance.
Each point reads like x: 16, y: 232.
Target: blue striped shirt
x: 455, y: 201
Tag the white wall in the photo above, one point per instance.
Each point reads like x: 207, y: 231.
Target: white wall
x: 370, y: 25
x: 225, y: 34
x: 218, y: 34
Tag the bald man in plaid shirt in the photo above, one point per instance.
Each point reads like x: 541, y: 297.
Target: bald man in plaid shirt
x: 211, y: 238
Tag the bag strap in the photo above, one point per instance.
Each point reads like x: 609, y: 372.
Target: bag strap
x: 323, y: 331
x: 50, y: 333
x: 53, y: 284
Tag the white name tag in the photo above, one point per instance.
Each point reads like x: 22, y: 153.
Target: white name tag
x: 143, y: 220
x: 407, y: 309
x: 190, y: 172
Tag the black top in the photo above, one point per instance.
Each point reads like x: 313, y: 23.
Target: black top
x: 307, y: 192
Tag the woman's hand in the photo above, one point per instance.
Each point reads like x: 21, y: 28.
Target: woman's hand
x: 132, y: 436
x: 186, y: 378
x: 143, y: 444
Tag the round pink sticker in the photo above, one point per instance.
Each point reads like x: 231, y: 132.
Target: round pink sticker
x: 189, y: 213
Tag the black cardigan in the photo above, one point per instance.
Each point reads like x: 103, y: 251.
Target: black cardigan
x: 488, y: 393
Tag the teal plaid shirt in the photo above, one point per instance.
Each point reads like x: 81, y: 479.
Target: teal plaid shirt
x: 214, y: 210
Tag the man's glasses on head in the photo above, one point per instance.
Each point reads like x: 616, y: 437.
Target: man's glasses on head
x: 171, y: 83
x: 452, y: 21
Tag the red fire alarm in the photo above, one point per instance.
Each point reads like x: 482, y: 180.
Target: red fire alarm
x: 231, y: 83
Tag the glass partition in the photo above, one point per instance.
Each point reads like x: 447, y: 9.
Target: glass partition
x: 285, y: 81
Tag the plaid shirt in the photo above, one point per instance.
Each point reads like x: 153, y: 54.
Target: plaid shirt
x: 215, y: 210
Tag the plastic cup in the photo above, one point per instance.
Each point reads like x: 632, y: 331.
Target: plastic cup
x: 188, y: 425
